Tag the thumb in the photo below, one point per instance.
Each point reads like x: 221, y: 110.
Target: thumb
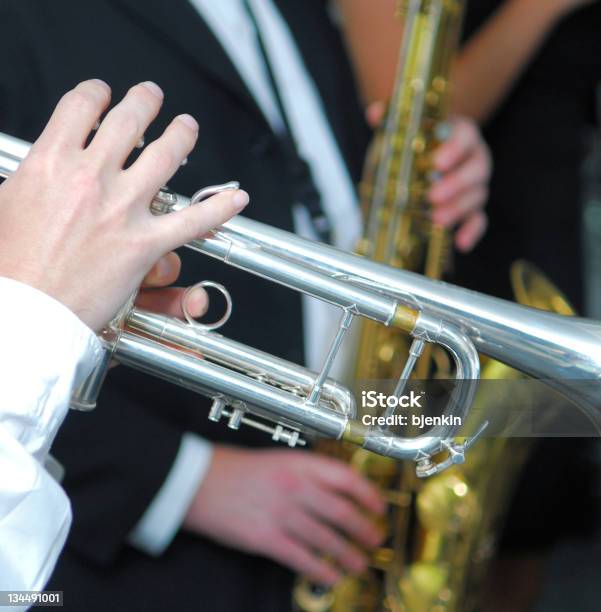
x: 375, y: 114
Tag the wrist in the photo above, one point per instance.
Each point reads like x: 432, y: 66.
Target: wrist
x: 194, y: 511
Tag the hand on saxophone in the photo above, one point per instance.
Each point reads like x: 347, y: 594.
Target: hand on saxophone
x: 75, y: 224
x: 459, y: 196
x: 307, y: 512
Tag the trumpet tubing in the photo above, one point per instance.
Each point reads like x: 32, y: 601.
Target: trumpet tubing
x: 543, y: 345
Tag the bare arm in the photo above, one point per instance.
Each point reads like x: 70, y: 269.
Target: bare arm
x: 497, y: 54
x: 373, y: 38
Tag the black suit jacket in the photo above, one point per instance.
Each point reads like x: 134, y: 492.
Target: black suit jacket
x: 118, y: 457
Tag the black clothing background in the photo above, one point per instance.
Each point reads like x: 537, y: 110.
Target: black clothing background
x: 117, y: 458
x: 537, y: 139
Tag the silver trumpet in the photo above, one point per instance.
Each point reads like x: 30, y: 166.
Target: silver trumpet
x: 286, y: 400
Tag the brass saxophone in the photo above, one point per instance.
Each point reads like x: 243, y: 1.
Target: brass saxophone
x: 441, y: 533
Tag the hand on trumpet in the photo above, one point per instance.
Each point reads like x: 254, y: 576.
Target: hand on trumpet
x: 76, y: 224
x: 305, y: 511
x: 157, y: 296
x: 459, y: 196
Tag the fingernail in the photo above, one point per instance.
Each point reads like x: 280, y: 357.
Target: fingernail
x: 154, y: 89
x: 102, y: 83
x: 189, y: 121
x: 197, y: 302
x: 163, y: 268
x: 463, y: 246
x: 240, y: 199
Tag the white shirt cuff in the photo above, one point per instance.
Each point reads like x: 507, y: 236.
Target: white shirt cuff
x: 163, y: 518
x: 46, y: 351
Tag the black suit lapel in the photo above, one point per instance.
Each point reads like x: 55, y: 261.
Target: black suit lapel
x: 178, y: 24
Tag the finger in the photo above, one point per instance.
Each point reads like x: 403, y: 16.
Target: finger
x: 472, y: 172
x: 169, y: 301
x: 195, y: 221
x: 161, y: 159
x: 327, y: 542
x: 75, y: 116
x: 164, y: 272
x: 464, y: 138
x: 345, y: 516
x: 126, y: 123
x: 470, y: 233
x: 375, y: 114
x: 461, y: 207
x: 339, y: 477
x: 294, y: 555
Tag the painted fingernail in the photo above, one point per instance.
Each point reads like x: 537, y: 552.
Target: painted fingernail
x: 189, y: 121
x: 240, y: 199
x: 153, y: 88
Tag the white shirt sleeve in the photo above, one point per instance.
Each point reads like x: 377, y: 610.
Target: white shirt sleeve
x: 163, y: 518
x: 45, y: 351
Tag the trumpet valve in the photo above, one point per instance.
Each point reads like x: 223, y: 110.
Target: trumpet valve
x: 236, y: 418
x: 216, y: 411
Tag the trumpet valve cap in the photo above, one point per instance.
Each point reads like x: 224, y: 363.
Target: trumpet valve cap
x: 236, y: 418
x: 216, y: 411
